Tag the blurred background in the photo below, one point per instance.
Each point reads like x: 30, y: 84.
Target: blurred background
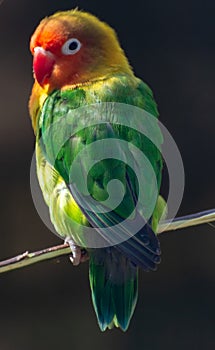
x: 171, y: 46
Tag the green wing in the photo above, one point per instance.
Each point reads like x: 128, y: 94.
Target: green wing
x: 60, y: 146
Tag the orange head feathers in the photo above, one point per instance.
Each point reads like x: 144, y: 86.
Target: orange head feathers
x: 75, y: 47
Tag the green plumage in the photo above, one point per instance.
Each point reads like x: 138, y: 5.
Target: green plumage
x: 113, y: 271
x: 113, y: 281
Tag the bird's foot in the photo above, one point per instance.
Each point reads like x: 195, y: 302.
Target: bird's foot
x: 79, y: 255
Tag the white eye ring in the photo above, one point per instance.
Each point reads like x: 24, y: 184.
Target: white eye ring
x: 71, y: 46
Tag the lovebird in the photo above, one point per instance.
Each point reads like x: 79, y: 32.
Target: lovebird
x: 79, y: 65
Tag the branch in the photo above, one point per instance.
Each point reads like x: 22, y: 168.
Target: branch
x: 27, y: 258
x: 204, y: 217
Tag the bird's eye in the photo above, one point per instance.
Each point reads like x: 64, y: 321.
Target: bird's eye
x: 71, y: 46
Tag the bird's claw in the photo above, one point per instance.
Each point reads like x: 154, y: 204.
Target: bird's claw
x: 78, y: 255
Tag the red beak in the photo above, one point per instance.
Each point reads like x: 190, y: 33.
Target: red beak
x: 43, y: 64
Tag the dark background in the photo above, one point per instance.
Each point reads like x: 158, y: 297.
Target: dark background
x: 171, y: 45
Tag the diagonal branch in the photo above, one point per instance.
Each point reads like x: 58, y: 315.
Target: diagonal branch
x: 27, y: 258
x: 203, y: 217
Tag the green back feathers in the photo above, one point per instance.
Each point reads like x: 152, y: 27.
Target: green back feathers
x: 121, y: 89
x: 113, y: 276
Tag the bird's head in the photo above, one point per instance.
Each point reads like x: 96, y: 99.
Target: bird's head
x: 75, y: 47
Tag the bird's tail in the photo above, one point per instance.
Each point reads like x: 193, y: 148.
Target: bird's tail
x: 113, y: 282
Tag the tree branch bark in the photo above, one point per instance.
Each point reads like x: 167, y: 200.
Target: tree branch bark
x: 27, y: 258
